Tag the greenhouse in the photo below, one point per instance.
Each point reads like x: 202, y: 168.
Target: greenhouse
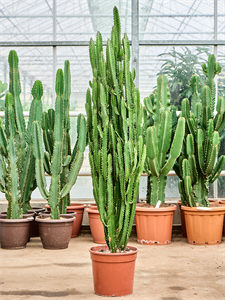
x: 112, y: 149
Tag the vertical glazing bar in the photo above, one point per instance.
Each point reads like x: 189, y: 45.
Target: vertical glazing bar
x: 135, y: 38
x: 215, y: 184
x: 54, y: 53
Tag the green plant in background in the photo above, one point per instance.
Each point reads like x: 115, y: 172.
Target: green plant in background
x: 48, y: 122
x: 114, y: 124
x: 17, y: 178
x: 62, y: 166
x: 162, y: 150
x: 3, y: 92
x: 196, y: 166
x: 179, y: 67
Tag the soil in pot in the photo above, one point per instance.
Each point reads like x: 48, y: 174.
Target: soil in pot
x: 154, y: 225
x: 78, y: 208
x: 113, y: 273
x: 204, y: 227
x: 96, y: 226
x: 55, y: 234
x: 14, y: 233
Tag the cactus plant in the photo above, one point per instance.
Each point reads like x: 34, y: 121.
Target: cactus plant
x: 48, y: 121
x: 197, y: 166
x: 114, y: 123
x: 17, y: 178
x: 161, y: 151
x: 59, y: 162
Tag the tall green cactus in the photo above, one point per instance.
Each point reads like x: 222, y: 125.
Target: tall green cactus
x: 116, y: 149
x: 48, y: 121
x: 57, y: 159
x: 197, y: 166
x: 161, y: 151
x: 17, y: 178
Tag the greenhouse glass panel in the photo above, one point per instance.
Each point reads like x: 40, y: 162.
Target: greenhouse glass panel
x: 176, y: 20
x: 221, y: 19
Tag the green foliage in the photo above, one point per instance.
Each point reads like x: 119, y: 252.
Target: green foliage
x: 17, y: 178
x: 114, y: 124
x: 3, y: 91
x: 57, y: 160
x: 162, y: 150
x: 179, y: 67
x: 197, y: 166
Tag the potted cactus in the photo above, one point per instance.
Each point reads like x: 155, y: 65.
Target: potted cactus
x: 48, y: 122
x: 154, y: 219
x: 17, y: 178
x: 55, y: 232
x: 116, y: 156
x: 199, y: 165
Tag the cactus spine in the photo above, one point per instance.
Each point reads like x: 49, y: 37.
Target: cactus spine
x: 58, y: 160
x: 17, y: 178
x: 116, y: 149
x: 161, y: 151
x: 196, y: 166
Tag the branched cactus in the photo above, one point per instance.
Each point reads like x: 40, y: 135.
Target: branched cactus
x: 115, y: 124
x: 162, y: 151
x: 17, y: 178
x: 197, y: 166
x: 58, y: 160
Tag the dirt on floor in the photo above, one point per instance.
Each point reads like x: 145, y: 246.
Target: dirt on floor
x: 177, y: 271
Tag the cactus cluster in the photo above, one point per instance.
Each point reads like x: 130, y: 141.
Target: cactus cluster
x: 57, y: 160
x: 197, y: 166
x: 162, y: 149
x: 17, y: 176
x: 115, y: 124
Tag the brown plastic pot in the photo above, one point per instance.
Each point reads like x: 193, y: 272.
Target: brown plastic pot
x: 78, y: 208
x: 96, y: 226
x: 34, y: 232
x: 14, y: 233
x: 55, y: 234
x: 154, y: 225
x: 204, y: 227
x: 223, y: 202
x: 113, y: 273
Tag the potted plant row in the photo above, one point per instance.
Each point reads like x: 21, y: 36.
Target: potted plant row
x: 116, y: 155
x: 198, y: 166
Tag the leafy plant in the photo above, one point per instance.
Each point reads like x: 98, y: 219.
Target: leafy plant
x: 179, y: 68
x: 196, y: 166
x: 162, y: 150
x: 114, y: 124
x: 62, y: 166
x: 17, y: 178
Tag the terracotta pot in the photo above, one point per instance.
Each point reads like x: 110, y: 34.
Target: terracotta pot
x: 182, y: 219
x: 14, y: 233
x: 204, y: 227
x: 154, y: 225
x: 96, y: 226
x: 34, y: 232
x: 55, y: 234
x: 113, y: 273
x: 78, y: 208
x: 92, y: 206
x: 223, y: 202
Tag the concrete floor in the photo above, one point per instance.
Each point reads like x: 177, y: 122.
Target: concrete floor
x: 178, y: 271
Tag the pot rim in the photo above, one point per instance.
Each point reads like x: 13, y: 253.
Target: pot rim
x: 210, y: 209
x: 68, y: 218
x: 73, y: 205
x: 92, y: 210
x: 153, y: 209
x: 16, y: 220
x: 96, y: 252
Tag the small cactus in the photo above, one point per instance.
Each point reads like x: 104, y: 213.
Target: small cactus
x: 62, y: 166
x: 197, y: 166
x: 162, y: 151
